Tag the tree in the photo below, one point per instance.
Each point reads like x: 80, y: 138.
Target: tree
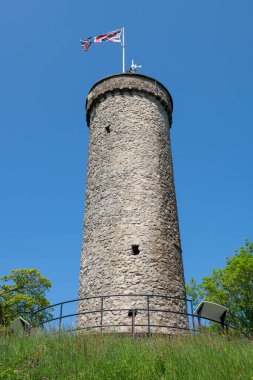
x: 231, y: 286
x: 22, y: 292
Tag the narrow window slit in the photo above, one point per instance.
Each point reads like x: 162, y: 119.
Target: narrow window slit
x: 108, y: 129
x: 135, y: 250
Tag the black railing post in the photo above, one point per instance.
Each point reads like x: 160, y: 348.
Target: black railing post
x: 222, y: 321
x: 132, y: 313
x: 193, y: 321
x: 102, y: 314
x: 199, y: 322
x: 148, y: 314
x: 133, y: 324
x: 60, y: 320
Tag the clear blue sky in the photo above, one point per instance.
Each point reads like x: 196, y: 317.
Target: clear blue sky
x: 200, y: 50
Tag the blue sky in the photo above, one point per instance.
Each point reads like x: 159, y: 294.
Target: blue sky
x: 200, y: 50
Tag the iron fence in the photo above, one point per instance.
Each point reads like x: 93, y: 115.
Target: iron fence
x: 194, y: 321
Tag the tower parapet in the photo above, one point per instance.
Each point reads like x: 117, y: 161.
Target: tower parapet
x: 129, y: 82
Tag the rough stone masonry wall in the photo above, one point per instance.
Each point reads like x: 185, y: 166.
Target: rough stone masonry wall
x: 130, y: 200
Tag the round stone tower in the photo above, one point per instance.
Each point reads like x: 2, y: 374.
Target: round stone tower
x: 131, y: 243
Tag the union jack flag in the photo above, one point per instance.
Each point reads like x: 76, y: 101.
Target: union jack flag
x: 114, y: 36
x: 86, y: 42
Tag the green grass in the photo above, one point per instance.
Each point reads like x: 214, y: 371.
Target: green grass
x: 119, y: 357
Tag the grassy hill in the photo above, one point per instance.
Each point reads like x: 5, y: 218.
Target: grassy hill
x: 74, y: 357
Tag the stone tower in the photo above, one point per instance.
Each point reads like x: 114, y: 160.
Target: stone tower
x: 131, y: 242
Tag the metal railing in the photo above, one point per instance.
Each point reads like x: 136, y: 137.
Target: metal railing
x: 194, y: 321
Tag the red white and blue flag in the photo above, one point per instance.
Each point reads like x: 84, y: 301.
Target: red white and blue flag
x: 114, y: 36
x: 85, y: 42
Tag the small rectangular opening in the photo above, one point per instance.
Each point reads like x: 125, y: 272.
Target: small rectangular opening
x: 135, y: 249
x: 108, y: 129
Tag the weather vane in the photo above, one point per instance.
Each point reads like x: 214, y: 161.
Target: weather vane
x: 134, y: 67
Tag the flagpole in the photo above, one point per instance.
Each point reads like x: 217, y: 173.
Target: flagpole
x: 123, y: 49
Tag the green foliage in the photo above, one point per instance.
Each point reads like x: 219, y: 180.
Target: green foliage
x: 231, y: 286
x: 117, y: 357
x: 22, y: 292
